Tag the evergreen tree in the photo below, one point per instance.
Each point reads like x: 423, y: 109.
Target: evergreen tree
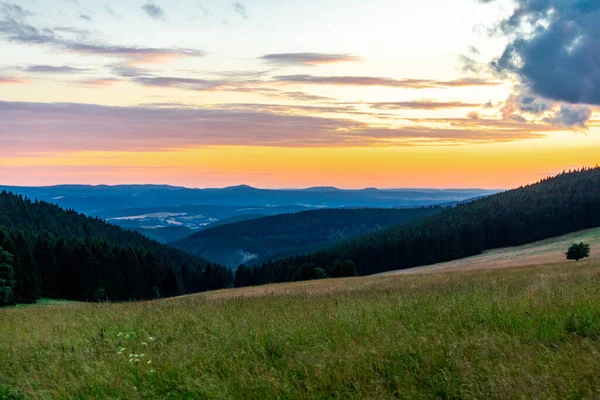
x: 7, y: 275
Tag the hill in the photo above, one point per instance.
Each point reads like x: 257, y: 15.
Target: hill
x: 555, y: 206
x: 267, y: 238
x: 546, y: 251
x: 64, y: 254
x: 502, y: 334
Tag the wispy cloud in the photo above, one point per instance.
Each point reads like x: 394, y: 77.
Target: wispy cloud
x: 68, y: 127
x: 308, y: 59
x: 8, y: 80
x: 100, y: 82
x: 204, y: 10
x: 154, y: 11
x: 17, y: 30
x: 240, y: 9
x: 379, y: 81
x: 113, y: 13
x: 85, y: 17
x: 52, y: 69
x: 421, y: 105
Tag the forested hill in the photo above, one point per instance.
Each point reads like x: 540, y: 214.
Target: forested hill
x: 64, y: 254
x: 555, y: 206
x: 262, y: 239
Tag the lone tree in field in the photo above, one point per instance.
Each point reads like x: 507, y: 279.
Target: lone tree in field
x: 578, y: 251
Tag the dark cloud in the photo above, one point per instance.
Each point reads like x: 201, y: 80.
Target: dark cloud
x: 554, y: 49
x: 378, y: 81
x: 309, y: 59
x: 154, y: 11
x: 240, y: 9
x: 48, y: 127
x: 421, y: 105
x: 52, y: 69
x: 86, y: 17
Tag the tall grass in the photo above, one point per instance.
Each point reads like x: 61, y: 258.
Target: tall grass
x: 520, y: 333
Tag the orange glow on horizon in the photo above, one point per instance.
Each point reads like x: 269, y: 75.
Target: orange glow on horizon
x: 499, y: 165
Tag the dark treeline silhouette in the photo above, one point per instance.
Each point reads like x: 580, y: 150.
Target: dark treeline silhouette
x: 554, y: 206
x: 51, y: 252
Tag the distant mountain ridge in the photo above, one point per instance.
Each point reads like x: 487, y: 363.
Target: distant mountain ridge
x: 101, y: 198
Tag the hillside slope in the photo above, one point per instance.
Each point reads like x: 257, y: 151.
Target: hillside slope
x: 555, y: 206
x: 64, y: 254
x: 548, y: 251
x: 262, y: 239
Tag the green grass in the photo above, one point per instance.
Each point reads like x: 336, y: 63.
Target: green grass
x: 515, y: 333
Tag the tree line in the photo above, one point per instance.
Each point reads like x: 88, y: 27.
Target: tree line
x: 552, y: 207
x: 46, y: 251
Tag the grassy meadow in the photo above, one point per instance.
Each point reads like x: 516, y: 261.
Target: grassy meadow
x: 529, y: 332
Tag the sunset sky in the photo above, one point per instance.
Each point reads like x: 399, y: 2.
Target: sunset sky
x: 298, y: 93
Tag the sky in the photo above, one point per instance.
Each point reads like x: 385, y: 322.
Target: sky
x: 347, y: 93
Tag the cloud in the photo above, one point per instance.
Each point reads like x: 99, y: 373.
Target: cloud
x: 552, y: 51
x: 154, y: 11
x: 85, y: 17
x: 52, y: 127
x: 204, y: 10
x: 302, y: 96
x: 16, y: 29
x: 180, y: 83
x: 308, y: 59
x: 378, y: 81
x: 571, y: 116
x: 240, y: 9
x: 525, y: 106
x: 113, y: 13
x: 100, y: 82
x: 14, y: 11
x: 51, y: 69
x: 7, y: 80
x: 421, y: 105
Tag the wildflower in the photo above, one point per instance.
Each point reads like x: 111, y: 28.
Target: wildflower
x: 149, y: 362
